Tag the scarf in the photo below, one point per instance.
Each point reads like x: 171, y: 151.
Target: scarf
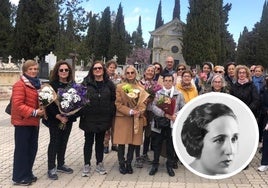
x: 169, y: 92
x: 186, y: 86
x: 246, y: 80
x: 34, y: 81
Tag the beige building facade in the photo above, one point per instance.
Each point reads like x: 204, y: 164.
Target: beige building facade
x: 167, y: 41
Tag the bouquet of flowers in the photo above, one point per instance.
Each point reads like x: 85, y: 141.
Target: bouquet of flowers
x: 71, y: 99
x: 167, y: 104
x: 135, y: 98
x: 152, y: 87
x: 46, y: 95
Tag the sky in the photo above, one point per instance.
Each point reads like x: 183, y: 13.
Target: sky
x: 243, y: 13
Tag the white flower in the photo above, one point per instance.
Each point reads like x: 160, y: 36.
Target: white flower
x: 67, y: 96
x: 72, y: 91
x: 64, y: 104
x: 76, y: 98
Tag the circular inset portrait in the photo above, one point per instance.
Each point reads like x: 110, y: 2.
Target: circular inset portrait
x: 215, y: 135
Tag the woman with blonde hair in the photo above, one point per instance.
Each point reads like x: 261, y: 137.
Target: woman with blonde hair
x: 130, y: 106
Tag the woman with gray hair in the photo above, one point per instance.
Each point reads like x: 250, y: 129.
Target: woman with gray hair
x: 218, y: 84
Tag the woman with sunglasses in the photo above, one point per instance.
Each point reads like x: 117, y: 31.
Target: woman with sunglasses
x: 124, y: 119
x: 61, y: 77
x: 97, y: 117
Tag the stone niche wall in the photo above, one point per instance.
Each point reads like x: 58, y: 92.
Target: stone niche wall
x: 7, y: 79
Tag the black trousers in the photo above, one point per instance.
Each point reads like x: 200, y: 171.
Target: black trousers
x: 99, y: 146
x: 264, y: 159
x: 57, y: 145
x: 157, y: 140
x: 26, y: 145
x: 121, y: 153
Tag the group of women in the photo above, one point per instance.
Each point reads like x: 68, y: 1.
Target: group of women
x: 112, y: 112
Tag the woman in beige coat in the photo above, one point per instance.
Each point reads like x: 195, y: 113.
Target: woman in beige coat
x: 129, y: 120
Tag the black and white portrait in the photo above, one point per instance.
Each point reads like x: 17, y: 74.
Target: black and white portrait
x: 215, y: 135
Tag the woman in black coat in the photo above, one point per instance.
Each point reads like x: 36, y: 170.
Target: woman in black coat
x: 97, y: 117
x: 245, y: 90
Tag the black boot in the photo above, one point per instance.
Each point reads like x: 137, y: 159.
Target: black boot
x: 122, y: 168
x: 153, y: 170
x: 170, y: 171
x: 129, y: 168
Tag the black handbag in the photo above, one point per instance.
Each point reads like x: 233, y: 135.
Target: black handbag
x: 8, y: 108
x: 161, y: 122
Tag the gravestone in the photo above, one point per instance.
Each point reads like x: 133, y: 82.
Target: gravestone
x: 51, y: 59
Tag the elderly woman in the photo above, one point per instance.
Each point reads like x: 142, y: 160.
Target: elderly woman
x: 130, y: 108
x: 25, y: 116
x: 229, y: 74
x: 218, y: 84
x: 210, y: 135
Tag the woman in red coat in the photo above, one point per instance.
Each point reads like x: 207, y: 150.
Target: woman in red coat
x: 25, y: 116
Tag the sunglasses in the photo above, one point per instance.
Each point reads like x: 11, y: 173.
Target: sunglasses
x: 251, y: 70
x: 157, y: 68
x: 130, y: 72
x: 97, y: 68
x: 181, y: 69
x: 64, y: 70
x: 218, y: 72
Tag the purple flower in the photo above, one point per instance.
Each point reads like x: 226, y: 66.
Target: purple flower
x: 72, y: 98
x: 152, y: 87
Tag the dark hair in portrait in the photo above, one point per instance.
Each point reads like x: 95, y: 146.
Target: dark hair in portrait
x: 54, y: 74
x: 90, y: 73
x: 195, y: 126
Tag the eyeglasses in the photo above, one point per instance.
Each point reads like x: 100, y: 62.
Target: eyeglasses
x: 242, y: 72
x: 181, y: 69
x: 130, y: 72
x: 218, y: 72
x: 97, y: 68
x: 64, y: 70
x: 252, y: 70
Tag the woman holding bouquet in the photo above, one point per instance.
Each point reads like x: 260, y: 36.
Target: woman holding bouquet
x: 129, y: 120
x: 160, y: 134
x: 61, y: 77
x: 97, y: 117
x: 25, y: 116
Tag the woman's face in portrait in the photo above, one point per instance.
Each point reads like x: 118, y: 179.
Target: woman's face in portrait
x: 111, y: 69
x: 130, y: 74
x: 157, y: 69
x: 231, y: 70
x: 206, y: 69
x: 220, y: 145
x: 63, y: 72
x: 32, y: 71
x: 217, y: 84
x: 98, y: 70
x: 242, y: 74
x: 186, y: 78
x: 149, y: 73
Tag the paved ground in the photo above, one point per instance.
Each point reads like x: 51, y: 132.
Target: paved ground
x: 139, y: 179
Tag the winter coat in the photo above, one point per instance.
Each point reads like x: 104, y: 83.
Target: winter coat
x: 98, y: 115
x: 248, y: 94
x: 124, y: 122
x: 188, y: 93
x: 24, y: 102
x: 159, y: 112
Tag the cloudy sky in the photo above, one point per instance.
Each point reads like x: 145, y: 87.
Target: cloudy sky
x: 243, y: 13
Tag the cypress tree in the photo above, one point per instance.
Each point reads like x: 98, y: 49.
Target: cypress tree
x: 36, y: 28
x: 176, y: 10
x: 262, y: 41
x: 6, y: 28
x: 118, y: 45
x: 137, y: 36
x: 103, y: 35
x: 159, y: 21
x: 201, y: 38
